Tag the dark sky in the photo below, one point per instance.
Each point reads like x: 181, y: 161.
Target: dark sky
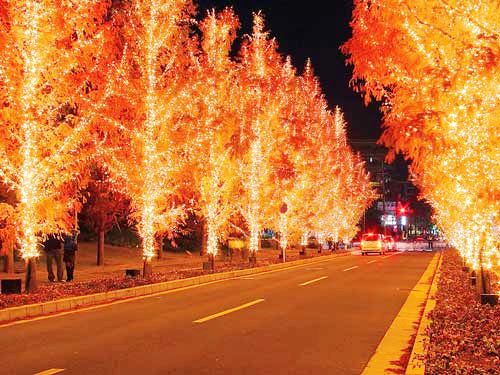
x: 315, y: 29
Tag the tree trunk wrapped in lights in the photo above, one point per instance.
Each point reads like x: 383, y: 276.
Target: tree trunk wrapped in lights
x: 215, y: 168
x: 150, y: 134
x: 52, y: 58
x: 260, y: 105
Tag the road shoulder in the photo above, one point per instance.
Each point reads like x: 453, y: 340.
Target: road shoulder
x: 396, y: 341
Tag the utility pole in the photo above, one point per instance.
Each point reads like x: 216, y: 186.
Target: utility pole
x: 383, y: 198
x: 364, y: 221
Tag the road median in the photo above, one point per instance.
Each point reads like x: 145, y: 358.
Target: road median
x: 66, y: 304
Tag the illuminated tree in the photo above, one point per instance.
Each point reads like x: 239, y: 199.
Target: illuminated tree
x: 151, y: 132
x: 259, y: 108
x: 317, y: 175
x: 215, y: 168
x: 296, y: 158
x: 52, y: 57
x: 435, y: 64
x: 7, y: 235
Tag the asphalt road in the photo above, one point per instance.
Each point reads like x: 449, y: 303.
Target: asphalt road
x: 264, y: 324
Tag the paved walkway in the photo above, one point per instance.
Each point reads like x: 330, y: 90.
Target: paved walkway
x: 117, y: 259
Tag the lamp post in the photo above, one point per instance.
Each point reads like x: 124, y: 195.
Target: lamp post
x: 383, y: 200
x: 283, y: 230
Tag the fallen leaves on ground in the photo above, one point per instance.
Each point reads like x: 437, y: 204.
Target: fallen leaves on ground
x: 464, y: 334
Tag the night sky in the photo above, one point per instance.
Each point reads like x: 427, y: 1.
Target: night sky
x: 314, y: 29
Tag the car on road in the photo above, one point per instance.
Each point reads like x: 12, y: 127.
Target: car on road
x: 356, y: 241
x: 390, y: 244
x: 373, y: 243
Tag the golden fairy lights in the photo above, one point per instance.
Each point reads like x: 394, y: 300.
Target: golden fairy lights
x: 176, y: 122
x: 155, y: 87
x: 214, y: 170
x: 41, y: 146
x: 441, y: 63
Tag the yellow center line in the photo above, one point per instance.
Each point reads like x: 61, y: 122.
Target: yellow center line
x: 350, y: 268
x: 313, y: 281
x: 225, y: 312
x: 50, y: 371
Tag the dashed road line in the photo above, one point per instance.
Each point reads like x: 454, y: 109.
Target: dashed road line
x: 50, y: 371
x: 350, y: 268
x: 101, y: 306
x: 313, y: 281
x: 229, y: 311
x: 371, y: 261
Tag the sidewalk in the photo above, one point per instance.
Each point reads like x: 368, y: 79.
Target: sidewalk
x: 117, y: 259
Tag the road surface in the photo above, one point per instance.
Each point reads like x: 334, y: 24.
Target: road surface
x: 325, y: 318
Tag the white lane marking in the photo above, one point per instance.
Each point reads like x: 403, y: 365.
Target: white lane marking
x: 229, y: 311
x: 51, y: 371
x: 371, y: 261
x: 315, y: 269
x: 126, y: 300
x: 96, y: 307
x: 351, y: 268
x: 245, y: 278
x: 313, y: 281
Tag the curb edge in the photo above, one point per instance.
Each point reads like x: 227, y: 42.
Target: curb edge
x: 73, y: 303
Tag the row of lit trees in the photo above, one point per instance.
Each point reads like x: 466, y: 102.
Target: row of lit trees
x: 140, y: 92
x: 436, y: 66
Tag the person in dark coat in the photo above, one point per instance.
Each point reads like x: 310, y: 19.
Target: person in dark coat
x: 52, y: 247
x: 70, y: 248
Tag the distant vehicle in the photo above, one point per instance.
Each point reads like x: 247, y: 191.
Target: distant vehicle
x: 373, y: 243
x: 356, y: 241
x: 389, y: 243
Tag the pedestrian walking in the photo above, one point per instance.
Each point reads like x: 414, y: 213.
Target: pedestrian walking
x: 52, y: 248
x: 335, y: 245
x: 69, y: 258
x: 330, y: 244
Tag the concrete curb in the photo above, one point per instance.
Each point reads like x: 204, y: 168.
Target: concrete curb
x: 71, y: 303
x: 416, y: 364
x: 386, y: 359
